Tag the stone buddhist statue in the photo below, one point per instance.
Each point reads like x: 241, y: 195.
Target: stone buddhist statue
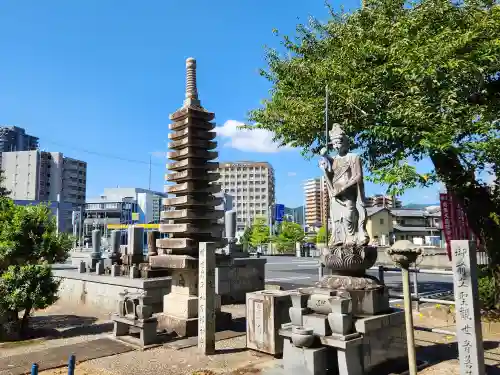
x: 344, y: 180
x: 347, y: 255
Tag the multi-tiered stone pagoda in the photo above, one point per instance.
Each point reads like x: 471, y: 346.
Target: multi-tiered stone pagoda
x: 194, y: 217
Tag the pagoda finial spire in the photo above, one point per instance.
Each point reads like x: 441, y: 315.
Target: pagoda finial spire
x: 191, y: 89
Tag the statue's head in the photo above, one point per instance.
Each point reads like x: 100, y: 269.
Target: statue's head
x: 338, y: 139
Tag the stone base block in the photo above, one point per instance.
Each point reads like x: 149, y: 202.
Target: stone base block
x: 189, y: 327
x: 384, y: 338
x: 318, y: 323
x: 370, y: 302
x: 184, y: 306
x: 147, y: 329
x: 306, y: 361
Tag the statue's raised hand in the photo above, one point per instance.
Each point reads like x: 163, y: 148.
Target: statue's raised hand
x: 325, y: 164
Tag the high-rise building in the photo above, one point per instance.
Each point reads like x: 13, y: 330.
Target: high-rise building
x: 45, y: 177
x: 380, y: 200
x: 251, y: 184
x: 316, y: 202
x: 13, y: 138
x: 295, y: 215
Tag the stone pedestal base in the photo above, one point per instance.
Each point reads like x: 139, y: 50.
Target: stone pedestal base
x: 306, y: 361
x: 188, y: 327
x: 384, y: 338
x: 364, y: 301
x: 147, y: 329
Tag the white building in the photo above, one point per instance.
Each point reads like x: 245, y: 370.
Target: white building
x: 252, y: 187
x: 148, y: 201
x: 316, y: 203
x: 45, y: 176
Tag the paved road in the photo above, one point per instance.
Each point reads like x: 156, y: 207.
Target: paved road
x: 292, y: 272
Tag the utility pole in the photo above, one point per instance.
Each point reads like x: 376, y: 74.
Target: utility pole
x: 149, y: 185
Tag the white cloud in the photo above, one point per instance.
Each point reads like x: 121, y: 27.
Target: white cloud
x: 257, y: 140
x: 292, y: 174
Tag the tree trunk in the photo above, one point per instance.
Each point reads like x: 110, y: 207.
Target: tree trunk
x: 478, y: 204
x: 25, y: 320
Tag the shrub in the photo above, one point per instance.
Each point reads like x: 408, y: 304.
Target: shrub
x: 487, y: 289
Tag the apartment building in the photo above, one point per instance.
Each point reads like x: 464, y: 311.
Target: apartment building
x: 47, y: 177
x: 252, y: 188
x: 380, y: 200
x: 316, y: 203
x: 13, y: 138
x: 421, y: 226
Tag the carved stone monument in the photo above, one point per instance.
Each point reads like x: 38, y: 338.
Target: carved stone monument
x: 348, y: 254
x: 344, y: 324
x: 194, y: 217
x: 469, y: 332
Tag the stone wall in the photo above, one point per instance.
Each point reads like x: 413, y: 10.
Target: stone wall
x: 239, y: 277
x: 102, y: 291
x: 233, y: 280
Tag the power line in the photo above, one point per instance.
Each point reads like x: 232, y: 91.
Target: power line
x: 109, y: 156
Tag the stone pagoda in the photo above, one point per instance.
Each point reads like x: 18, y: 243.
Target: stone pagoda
x: 192, y: 217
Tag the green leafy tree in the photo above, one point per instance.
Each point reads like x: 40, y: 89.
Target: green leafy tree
x: 260, y: 232
x: 245, y: 238
x: 29, y: 242
x: 289, y: 235
x: 3, y: 190
x: 321, y: 236
x: 25, y: 288
x: 406, y: 81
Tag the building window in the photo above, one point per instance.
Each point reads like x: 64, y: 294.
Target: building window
x: 381, y: 221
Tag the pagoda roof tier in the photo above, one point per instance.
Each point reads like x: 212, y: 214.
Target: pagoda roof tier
x: 192, y: 187
x: 193, y: 133
x: 182, y: 214
x: 193, y: 228
x: 192, y: 122
x: 192, y: 163
x: 192, y: 111
x: 192, y: 174
x: 192, y: 142
x: 187, y: 244
x: 191, y: 152
x: 173, y: 261
x: 189, y: 200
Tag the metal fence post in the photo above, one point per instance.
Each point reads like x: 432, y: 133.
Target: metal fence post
x: 71, y: 364
x: 34, y: 369
x: 381, y: 274
x: 415, y: 288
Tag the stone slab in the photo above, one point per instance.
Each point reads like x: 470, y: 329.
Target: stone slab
x: 193, y: 341
x: 173, y: 261
x: 189, y: 327
x: 58, y: 356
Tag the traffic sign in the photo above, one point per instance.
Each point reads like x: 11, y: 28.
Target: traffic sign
x: 279, y: 212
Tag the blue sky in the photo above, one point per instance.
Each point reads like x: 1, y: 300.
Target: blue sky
x: 97, y: 80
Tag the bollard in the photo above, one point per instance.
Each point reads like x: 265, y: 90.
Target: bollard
x: 71, y: 364
x: 34, y: 369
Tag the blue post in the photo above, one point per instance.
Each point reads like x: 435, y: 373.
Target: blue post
x: 34, y: 369
x: 71, y: 365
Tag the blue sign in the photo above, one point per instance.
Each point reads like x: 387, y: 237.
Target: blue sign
x: 279, y: 212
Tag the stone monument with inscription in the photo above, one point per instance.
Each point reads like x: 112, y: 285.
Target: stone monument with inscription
x: 344, y: 324
x: 468, y: 318
x: 193, y: 219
